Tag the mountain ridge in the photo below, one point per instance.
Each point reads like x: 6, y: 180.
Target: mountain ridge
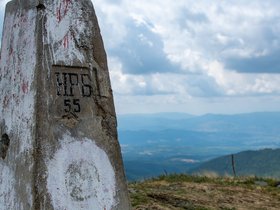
x: 161, y: 141
x: 261, y: 163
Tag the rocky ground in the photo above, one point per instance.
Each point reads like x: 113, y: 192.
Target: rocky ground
x: 176, y: 192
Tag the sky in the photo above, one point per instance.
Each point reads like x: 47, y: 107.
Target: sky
x: 203, y: 56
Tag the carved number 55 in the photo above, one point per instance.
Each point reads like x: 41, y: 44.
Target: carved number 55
x: 72, y: 105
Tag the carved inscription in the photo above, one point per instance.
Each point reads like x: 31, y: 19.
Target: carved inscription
x: 72, y: 90
x: 73, y: 85
x: 67, y: 82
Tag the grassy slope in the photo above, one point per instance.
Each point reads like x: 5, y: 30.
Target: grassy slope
x: 177, y: 192
x: 263, y: 163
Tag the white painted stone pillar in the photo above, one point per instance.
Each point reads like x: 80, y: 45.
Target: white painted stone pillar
x: 59, y: 144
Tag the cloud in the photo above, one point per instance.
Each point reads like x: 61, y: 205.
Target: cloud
x: 219, y: 42
x: 161, y: 83
x: 234, y: 33
x: 200, y: 105
x: 250, y: 84
x: 260, y: 63
x: 186, y: 54
x: 141, y: 52
x: 188, y: 15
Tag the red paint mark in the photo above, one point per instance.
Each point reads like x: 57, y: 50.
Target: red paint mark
x: 58, y: 13
x: 66, y: 3
x: 24, y: 87
x: 66, y: 41
x: 62, y: 10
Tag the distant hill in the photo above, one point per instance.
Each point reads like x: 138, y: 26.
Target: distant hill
x: 262, y: 163
x: 176, y: 142
x: 248, y: 122
x: 155, y: 121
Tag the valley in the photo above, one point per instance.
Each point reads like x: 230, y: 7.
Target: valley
x: 165, y: 143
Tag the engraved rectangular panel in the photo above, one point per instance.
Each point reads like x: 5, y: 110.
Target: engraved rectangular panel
x: 72, y: 91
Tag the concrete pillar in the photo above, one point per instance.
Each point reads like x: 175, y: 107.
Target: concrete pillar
x: 58, y: 147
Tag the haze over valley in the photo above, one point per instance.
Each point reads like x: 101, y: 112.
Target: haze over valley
x: 154, y: 144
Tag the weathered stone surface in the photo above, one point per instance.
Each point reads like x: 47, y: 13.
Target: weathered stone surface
x: 57, y: 111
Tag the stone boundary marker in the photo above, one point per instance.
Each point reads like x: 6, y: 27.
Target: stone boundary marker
x: 59, y: 147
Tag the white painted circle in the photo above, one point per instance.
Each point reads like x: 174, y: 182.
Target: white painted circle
x: 80, y: 182
x: 80, y: 176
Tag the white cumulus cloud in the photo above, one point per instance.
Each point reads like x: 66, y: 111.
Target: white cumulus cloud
x: 193, y: 56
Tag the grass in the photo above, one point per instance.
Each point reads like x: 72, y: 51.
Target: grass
x: 227, y: 180
x: 181, y: 191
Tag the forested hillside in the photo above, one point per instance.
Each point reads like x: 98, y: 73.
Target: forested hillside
x: 261, y: 163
